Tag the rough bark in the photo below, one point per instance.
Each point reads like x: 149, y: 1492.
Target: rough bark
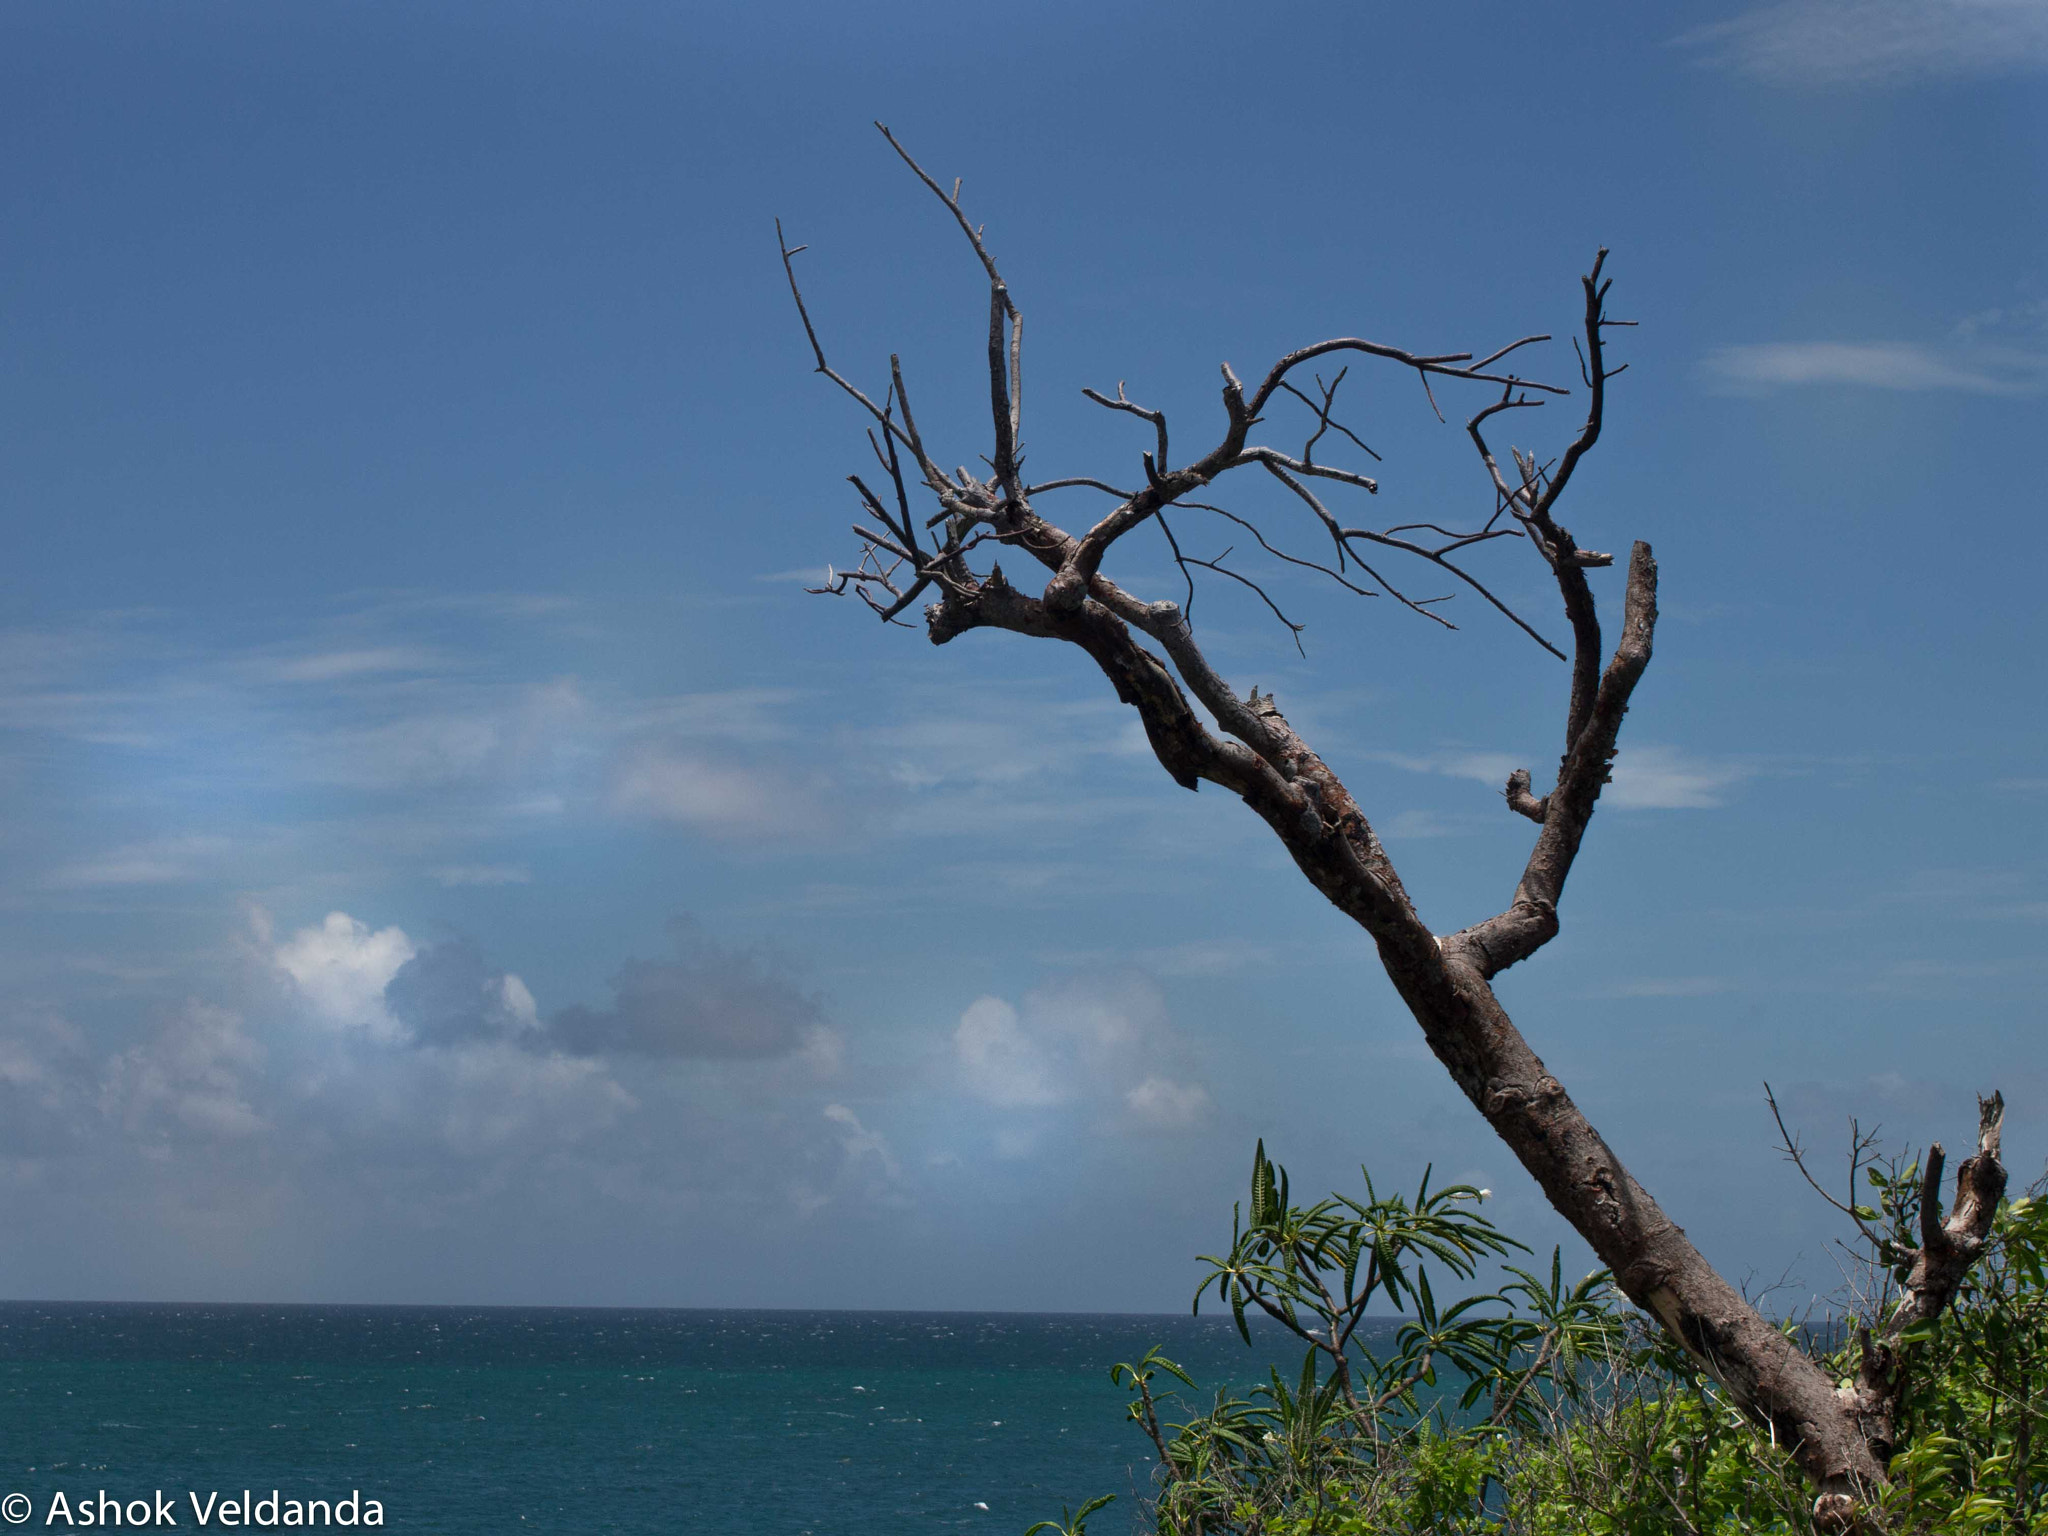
x: 1842, y: 1437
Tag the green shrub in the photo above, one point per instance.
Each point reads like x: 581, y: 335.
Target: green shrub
x: 1547, y: 1409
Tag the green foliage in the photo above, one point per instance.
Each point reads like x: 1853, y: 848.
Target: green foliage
x: 1974, y: 1431
x: 1544, y: 1408
x: 1070, y: 1524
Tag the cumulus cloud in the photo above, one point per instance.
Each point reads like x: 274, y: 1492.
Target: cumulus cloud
x: 45, y: 1082
x: 491, y: 1098
x: 998, y: 1061
x: 450, y: 993
x: 859, y: 1142
x: 708, y: 1002
x: 194, y: 1075
x: 341, y: 1079
x: 341, y: 968
x: 1808, y: 42
x: 1102, y: 1045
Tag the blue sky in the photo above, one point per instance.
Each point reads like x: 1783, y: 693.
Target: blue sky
x: 447, y: 857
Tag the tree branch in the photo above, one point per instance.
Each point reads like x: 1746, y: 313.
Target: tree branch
x: 1157, y: 418
x: 1531, y: 918
x: 1840, y: 1439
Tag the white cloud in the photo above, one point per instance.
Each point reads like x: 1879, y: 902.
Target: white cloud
x: 165, y: 861
x: 1161, y: 1102
x: 1000, y: 1064
x: 1101, y: 1044
x: 858, y: 1142
x: 2021, y: 323
x: 1645, y: 778
x: 518, y: 1002
x: 1893, y: 365
x: 293, y: 1088
x: 190, y: 1078
x: 35, y: 1046
x: 336, y: 666
x: 491, y: 1096
x: 342, y: 968
x: 1806, y: 42
x: 864, y: 1168
x: 823, y: 1052
x: 456, y: 738
x: 973, y: 761
x: 1490, y: 768
x: 719, y: 797
x: 713, y: 797
x: 1652, y: 778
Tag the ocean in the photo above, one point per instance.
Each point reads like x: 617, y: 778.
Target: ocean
x: 457, y: 1420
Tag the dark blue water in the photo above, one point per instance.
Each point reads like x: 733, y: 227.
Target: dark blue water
x: 479, y: 1420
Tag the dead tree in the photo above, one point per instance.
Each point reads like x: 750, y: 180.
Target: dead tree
x: 928, y: 532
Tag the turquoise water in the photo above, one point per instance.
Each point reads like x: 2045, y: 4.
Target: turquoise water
x: 461, y: 1420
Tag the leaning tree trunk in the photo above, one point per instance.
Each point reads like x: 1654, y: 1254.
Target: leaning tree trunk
x: 1842, y: 1437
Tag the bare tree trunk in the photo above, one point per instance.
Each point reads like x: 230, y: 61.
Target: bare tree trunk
x: 1842, y: 1437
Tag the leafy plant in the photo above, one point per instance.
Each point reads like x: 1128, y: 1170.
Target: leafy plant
x: 1548, y: 1408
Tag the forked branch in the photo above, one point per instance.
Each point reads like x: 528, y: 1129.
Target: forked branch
x: 1252, y: 752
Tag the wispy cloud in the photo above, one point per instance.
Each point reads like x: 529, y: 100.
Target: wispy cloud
x: 456, y: 875
x: 1420, y: 824
x: 1490, y: 768
x: 1667, y: 779
x: 1972, y: 895
x: 1761, y: 367
x: 1667, y: 986
x: 724, y: 798
x: 1194, y: 957
x: 1806, y: 42
x: 1646, y: 778
x: 335, y: 666
x: 1945, y: 978
x: 166, y: 861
